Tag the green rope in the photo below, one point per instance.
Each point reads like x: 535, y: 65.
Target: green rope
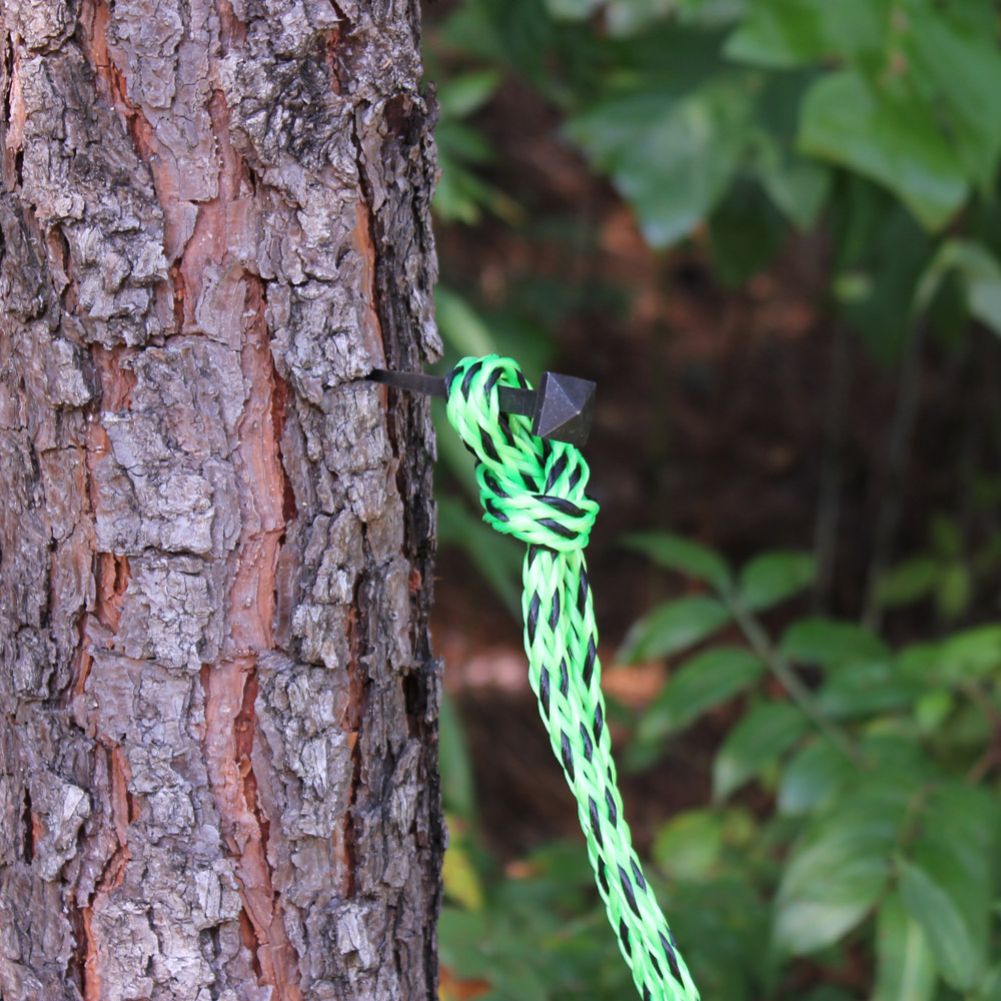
x: 534, y: 489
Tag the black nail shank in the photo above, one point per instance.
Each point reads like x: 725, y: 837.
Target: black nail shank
x: 561, y: 408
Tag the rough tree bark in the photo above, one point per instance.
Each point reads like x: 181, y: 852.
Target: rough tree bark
x: 217, y: 700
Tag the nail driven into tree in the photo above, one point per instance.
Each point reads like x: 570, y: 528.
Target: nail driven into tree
x: 561, y: 408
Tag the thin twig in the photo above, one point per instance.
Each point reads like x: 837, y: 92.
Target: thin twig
x: 773, y: 659
x: 897, y: 453
x: 825, y: 537
x: 992, y: 753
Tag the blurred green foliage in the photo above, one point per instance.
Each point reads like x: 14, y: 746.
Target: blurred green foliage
x: 877, y: 120
x: 879, y: 840
x: 854, y: 822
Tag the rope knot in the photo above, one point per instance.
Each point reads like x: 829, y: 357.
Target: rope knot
x: 530, y: 488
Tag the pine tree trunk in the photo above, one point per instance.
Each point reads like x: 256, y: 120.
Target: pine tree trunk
x: 217, y: 737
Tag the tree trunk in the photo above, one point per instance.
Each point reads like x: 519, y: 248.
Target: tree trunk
x: 218, y: 730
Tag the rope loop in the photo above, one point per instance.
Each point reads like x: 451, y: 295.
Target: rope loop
x: 530, y: 488
x: 534, y: 489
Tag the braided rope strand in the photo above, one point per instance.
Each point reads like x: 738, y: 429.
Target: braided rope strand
x: 535, y: 490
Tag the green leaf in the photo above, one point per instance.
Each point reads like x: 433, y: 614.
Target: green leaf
x: 683, y: 555
x: 930, y: 906
x: 460, y: 879
x: 672, y: 627
x: 454, y: 762
x: 463, y: 144
x: 908, y: 582
x: 459, y: 932
x: 705, y: 13
x: 896, y: 758
x: 891, y: 139
x: 954, y: 62
x: 979, y: 273
x: 688, y: 846
x: 461, y: 95
x: 970, y: 655
x: 905, y: 967
x: 492, y: 554
x: 572, y: 10
x: 745, y: 234
x: 707, y: 680
x: 814, y: 775
x: 626, y: 17
x: 823, y: 641
x: 953, y: 856
x: 765, y: 733
x: 771, y: 578
x: 781, y: 34
x: 822, y: 917
x: 882, y: 251
x: 989, y: 988
x: 933, y: 708
x: 840, y: 867
x: 721, y: 924
x: 946, y: 536
x: 460, y: 195
x: 797, y: 186
x: 954, y: 591
x: 829, y: 993
x: 864, y: 688
x: 460, y: 325
x: 671, y: 159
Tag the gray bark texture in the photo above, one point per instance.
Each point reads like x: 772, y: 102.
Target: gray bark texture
x: 217, y: 700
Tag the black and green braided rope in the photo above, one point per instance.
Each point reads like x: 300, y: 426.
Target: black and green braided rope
x: 534, y: 489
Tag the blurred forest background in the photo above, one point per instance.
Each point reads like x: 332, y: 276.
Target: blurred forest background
x: 770, y: 230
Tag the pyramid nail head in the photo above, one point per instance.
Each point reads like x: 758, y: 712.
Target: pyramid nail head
x: 564, y: 408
